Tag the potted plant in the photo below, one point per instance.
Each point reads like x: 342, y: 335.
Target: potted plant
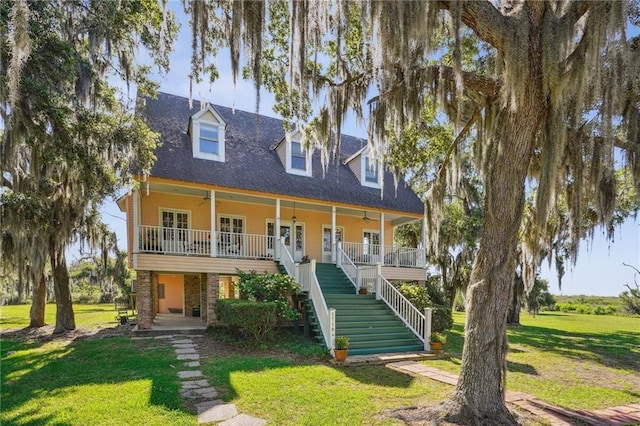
x: 363, y: 290
x: 341, y: 348
x: 437, y: 340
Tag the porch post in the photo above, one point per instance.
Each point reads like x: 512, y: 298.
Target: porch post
x: 136, y: 224
x: 213, y: 294
x: 423, y: 255
x: 381, y: 250
x: 276, y: 237
x: 213, y: 238
x: 378, y: 280
x: 339, y: 257
x: 333, y: 234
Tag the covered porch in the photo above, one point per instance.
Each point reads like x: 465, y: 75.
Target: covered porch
x: 170, y: 219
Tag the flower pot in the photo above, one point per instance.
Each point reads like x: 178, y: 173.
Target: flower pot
x: 362, y: 290
x: 435, y: 346
x: 340, y: 354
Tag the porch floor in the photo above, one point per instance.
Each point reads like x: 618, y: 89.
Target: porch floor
x: 172, y: 324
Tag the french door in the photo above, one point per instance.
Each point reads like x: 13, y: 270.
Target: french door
x: 175, y: 225
x: 293, y: 240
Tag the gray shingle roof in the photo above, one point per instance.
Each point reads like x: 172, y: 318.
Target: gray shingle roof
x: 251, y: 163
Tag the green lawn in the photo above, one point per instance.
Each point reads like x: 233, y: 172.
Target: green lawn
x: 572, y: 360
x: 576, y: 361
x: 90, y: 382
x: 87, y: 316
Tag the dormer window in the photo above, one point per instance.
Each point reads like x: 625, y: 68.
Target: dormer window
x: 298, y: 156
x: 370, y: 171
x: 295, y: 158
x: 207, y: 135
x: 209, y: 139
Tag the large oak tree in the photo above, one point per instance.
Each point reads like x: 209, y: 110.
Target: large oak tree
x: 555, y: 93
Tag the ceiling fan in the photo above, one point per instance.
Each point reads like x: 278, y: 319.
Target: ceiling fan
x: 366, y: 219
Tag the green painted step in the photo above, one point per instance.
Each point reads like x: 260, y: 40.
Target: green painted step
x: 368, y: 323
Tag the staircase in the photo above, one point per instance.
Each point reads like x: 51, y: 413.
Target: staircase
x: 371, y: 327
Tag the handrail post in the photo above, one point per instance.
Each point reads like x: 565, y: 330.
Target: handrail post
x: 378, y: 280
x: 427, y: 328
x: 358, y: 278
x: 339, y: 254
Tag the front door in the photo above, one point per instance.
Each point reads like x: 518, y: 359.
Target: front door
x: 326, y: 241
x: 295, y: 246
x: 371, y: 246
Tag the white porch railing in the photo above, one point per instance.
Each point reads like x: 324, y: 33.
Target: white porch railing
x: 197, y: 242
x: 156, y: 239
x: 371, y: 254
x: 418, y: 322
x: 286, y: 259
x: 326, y: 317
x: 367, y: 276
x: 244, y: 246
x: 348, y: 267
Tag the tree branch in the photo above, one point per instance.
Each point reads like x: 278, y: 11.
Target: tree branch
x: 489, y: 87
x: 461, y: 135
x: 484, y: 19
x: 574, y: 12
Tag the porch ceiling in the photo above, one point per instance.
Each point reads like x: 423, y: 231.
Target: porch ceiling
x: 221, y: 196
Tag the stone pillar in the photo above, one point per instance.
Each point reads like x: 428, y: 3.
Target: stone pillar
x: 144, y: 300
x: 213, y: 294
x: 203, y: 297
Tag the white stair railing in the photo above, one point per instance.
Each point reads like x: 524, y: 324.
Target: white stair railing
x: 416, y: 321
x: 286, y: 259
x: 326, y: 317
x: 348, y: 267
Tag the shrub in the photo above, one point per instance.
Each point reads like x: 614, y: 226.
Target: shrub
x: 277, y: 288
x: 252, y: 319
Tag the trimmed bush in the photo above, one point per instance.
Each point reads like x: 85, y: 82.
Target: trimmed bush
x: 252, y: 319
x: 277, y: 288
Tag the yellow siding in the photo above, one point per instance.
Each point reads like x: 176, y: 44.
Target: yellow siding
x: 174, y: 292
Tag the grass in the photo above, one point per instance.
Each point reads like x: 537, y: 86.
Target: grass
x: 572, y: 360
x: 576, y: 361
x: 97, y: 382
x: 87, y: 316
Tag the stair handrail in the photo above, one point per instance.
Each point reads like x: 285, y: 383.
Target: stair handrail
x: 326, y: 316
x: 419, y: 323
x: 287, y: 260
x: 349, y: 268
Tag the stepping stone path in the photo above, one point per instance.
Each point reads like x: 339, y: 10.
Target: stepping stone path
x: 196, y: 388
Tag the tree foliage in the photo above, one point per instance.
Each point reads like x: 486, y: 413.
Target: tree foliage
x: 70, y: 139
x: 556, y: 88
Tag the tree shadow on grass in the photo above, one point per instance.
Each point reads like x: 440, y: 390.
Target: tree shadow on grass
x: 31, y: 370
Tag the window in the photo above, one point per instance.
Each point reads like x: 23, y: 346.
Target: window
x: 175, y: 225
x: 161, y: 291
x: 370, y: 170
x: 231, y: 234
x: 298, y: 159
x: 209, y: 139
x: 207, y: 135
x: 371, y: 243
x: 298, y: 156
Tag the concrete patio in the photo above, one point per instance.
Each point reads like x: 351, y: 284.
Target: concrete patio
x: 172, y: 324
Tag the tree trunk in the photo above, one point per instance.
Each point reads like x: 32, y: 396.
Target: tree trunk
x: 479, y: 394
x: 513, y: 316
x: 65, y: 319
x: 39, y: 301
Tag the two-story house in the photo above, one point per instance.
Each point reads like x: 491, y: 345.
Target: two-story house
x: 229, y: 191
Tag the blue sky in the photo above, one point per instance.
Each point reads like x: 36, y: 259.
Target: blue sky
x: 599, y: 270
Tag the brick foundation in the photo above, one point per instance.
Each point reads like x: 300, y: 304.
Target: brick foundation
x: 203, y: 297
